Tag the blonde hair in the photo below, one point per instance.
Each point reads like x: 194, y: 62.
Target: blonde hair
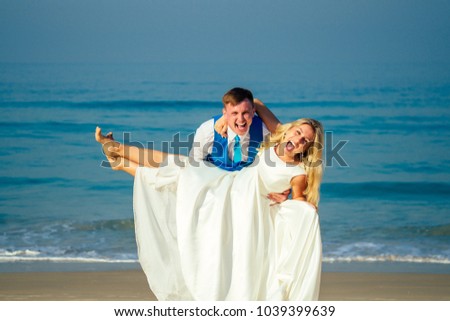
x: 311, y: 158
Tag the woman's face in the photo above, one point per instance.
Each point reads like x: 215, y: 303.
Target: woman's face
x: 298, y: 139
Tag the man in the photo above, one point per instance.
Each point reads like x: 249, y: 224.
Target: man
x: 245, y: 131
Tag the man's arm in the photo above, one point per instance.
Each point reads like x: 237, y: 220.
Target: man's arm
x: 203, y: 139
x: 269, y: 119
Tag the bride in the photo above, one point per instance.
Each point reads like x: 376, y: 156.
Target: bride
x: 207, y: 234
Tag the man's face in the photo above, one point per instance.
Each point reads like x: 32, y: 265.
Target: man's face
x: 239, y: 117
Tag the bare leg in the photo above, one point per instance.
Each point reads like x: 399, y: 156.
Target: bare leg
x: 142, y: 156
x: 122, y: 164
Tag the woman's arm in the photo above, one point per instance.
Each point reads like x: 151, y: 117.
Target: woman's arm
x: 298, y: 184
x: 269, y: 119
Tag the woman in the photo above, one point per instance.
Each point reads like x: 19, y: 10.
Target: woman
x: 208, y: 234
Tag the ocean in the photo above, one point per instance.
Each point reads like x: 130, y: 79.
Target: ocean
x: 385, y: 198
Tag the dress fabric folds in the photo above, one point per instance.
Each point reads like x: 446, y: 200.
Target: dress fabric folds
x: 207, y: 234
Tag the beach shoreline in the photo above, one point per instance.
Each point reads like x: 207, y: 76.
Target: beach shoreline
x: 131, y: 285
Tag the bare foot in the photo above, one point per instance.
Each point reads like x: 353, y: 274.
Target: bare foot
x: 110, y: 146
x: 102, y: 139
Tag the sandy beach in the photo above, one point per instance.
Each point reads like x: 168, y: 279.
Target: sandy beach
x: 131, y: 285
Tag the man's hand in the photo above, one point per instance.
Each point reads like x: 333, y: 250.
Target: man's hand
x: 221, y: 126
x: 279, y: 197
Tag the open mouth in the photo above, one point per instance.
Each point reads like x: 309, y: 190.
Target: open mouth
x: 241, y: 126
x: 290, y: 146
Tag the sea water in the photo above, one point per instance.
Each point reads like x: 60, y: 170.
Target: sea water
x: 385, y: 197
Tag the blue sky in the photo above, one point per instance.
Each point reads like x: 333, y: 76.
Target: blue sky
x: 225, y: 31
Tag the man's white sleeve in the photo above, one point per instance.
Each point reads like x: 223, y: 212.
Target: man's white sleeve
x: 203, y: 139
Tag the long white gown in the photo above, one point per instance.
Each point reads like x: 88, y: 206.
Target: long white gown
x: 207, y: 234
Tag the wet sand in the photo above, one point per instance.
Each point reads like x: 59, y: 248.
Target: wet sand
x: 131, y: 285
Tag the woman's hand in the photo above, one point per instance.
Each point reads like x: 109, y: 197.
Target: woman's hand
x: 279, y: 197
x: 221, y: 126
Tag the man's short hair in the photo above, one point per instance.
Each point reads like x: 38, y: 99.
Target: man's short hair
x: 236, y: 96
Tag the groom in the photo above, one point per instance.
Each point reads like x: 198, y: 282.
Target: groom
x: 244, y: 131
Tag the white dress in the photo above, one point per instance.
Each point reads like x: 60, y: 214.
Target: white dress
x: 207, y: 234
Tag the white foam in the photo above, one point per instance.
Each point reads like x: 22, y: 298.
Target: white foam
x: 28, y: 255
x: 11, y: 259
x: 32, y: 256
x: 388, y: 258
x: 25, y: 253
